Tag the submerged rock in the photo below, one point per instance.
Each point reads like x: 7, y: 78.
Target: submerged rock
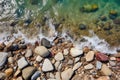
x: 113, y: 14
x: 75, y: 52
x: 82, y: 26
x: 46, y: 43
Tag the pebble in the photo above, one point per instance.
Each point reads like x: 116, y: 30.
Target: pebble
x: 65, y: 52
x: 52, y: 75
x: 88, y: 66
x: 76, y: 59
x: 19, y: 78
x: 67, y: 74
x: 35, y: 75
x: 70, y: 62
x: 39, y: 58
x: 57, y: 76
x: 98, y: 65
x: 106, y: 71
x: 3, y: 58
x: 22, y: 63
x: 75, y: 52
x: 28, y: 53
x: 9, y: 72
x: 42, y: 51
x: 46, y: 43
x: 89, y: 56
x: 57, y: 64
x: 103, y: 78
x: 2, y: 75
x: 47, y: 66
x: 76, y: 66
x: 112, y: 58
x: 10, y: 60
x: 112, y: 63
x: 59, y: 56
x: 82, y: 26
x: 17, y: 73
x: 28, y: 72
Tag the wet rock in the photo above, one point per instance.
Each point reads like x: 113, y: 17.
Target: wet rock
x: 88, y: 66
x: 116, y: 21
x: 9, y: 72
x: 28, y: 72
x: 57, y: 76
x: 101, y: 57
x: 42, y: 51
x: 59, y: 56
x: 76, y: 66
x: 46, y: 43
x: 82, y: 27
x: 103, y: 78
x: 86, y: 49
x: 39, y: 58
x: 28, y: 53
x: 113, y: 14
x: 2, y: 76
x: 103, y: 18
x: 107, y: 26
x: 106, y: 71
x: 52, y: 76
x: 98, y: 65
x: 117, y: 55
x: 3, y: 58
x: 75, y: 52
x: 67, y: 74
x: 22, y: 63
x: 35, y: 75
x: 45, y: 67
x: 13, y: 23
x: 89, y: 56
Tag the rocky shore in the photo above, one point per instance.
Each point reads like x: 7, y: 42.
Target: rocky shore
x: 59, y: 60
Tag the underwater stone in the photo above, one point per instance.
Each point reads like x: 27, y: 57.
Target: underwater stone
x: 46, y: 43
x: 113, y: 14
x: 82, y: 26
x: 116, y: 21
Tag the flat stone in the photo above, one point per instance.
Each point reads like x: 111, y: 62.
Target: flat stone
x: 67, y: 74
x: 75, y: 52
x: 57, y: 64
x: 28, y: 72
x: 59, y: 56
x: 89, y: 56
x: 65, y: 52
x: 39, y: 58
x: 47, y: 66
x: 3, y: 58
x: 104, y: 78
x: 76, y: 66
x: 77, y: 59
x: 88, y: 66
x: 57, y: 76
x: 9, y: 72
x: 98, y: 65
x: 28, y: 53
x: 106, y: 71
x: 42, y: 51
x: 22, y: 63
x: 35, y: 75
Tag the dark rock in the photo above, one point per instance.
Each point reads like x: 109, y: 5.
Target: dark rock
x: 46, y: 43
x: 112, y: 16
x: 14, y: 23
x: 14, y: 47
x: 116, y: 21
x: 107, y: 26
x: 82, y: 26
x: 28, y: 21
x: 35, y: 75
x: 103, y: 18
x: 22, y: 46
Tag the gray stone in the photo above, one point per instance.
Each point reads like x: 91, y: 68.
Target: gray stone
x: 89, y: 56
x: 47, y: 66
x: 22, y: 63
x: 3, y: 58
x: 59, y: 56
x: 28, y: 53
x: 46, y: 43
x: 75, y: 52
x: 39, y: 58
x: 70, y: 62
x: 98, y: 65
x: 88, y: 66
x: 57, y: 76
x: 28, y: 72
x: 76, y: 66
x: 67, y: 74
x: 42, y: 51
x: 35, y: 75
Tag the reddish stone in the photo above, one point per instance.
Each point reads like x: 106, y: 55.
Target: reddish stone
x: 101, y: 57
x: 118, y: 59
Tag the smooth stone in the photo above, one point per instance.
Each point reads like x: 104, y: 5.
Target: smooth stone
x: 77, y: 59
x: 52, y: 75
x: 67, y: 74
x: 28, y: 72
x: 65, y: 52
x: 76, y: 66
x: 39, y: 58
x: 75, y: 52
x: 98, y: 65
x: 70, y: 62
x: 59, y: 56
x: 47, y: 66
x: 57, y: 64
x: 22, y: 63
x: 104, y: 78
x: 89, y: 56
x: 106, y: 70
x: 3, y: 58
x: 46, y: 43
x: 112, y: 58
x: 88, y: 66
x: 28, y: 53
x: 57, y: 76
x: 2, y: 76
x: 35, y: 75
x: 17, y: 73
x: 10, y: 60
x: 112, y: 63
x: 42, y: 51
x: 9, y: 72
x: 59, y: 67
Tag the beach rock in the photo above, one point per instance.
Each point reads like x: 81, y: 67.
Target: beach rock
x: 59, y: 56
x: 106, y: 71
x: 82, y: 26
x: 35, y: 75
x: 14, y: 47
x: 10, y: 60
x: 89, y: 56
x: 76, y: 66
x: 19, y: 78
x: 76, y: 59
x: 117, y: 55
x: 103, y: 78
x: 2, y: 76
x: 112, y: 58
x: 52, y: 76
x: 28, y: 72
x: 88, y: 66
x: 17, y: 73
x: 42, y: 51
x: 57, y: 64
x: 28, y: 53
x: 2, y: 46
x: 76, y: 77
x: 57, y: 76
x: 9, y: 72
x: 46, y: 43
x: 98, y: 65
x: 101, y: 57
x: 113, y: 14
x: 45, y: 67
x: 112, y: 63
x: 75, y: 52
x: 3, y: 58
x: 67, y: 74
x: 65, y: 52
x: 39, y: 58
x: 70, y: 62
x: 118, y: 59
x: 86, y: 49
x: 22, y: 63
